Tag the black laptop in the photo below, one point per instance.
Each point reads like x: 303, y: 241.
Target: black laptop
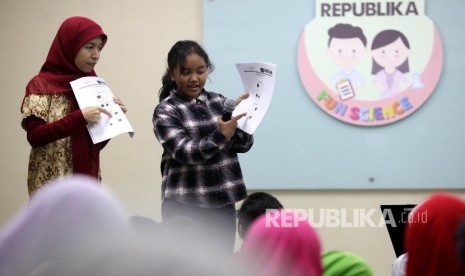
x: 396, y: 218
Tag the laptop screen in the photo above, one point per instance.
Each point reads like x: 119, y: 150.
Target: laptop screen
x: 396, y: 218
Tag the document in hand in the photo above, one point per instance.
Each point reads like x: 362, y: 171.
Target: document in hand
x: 93, y: 91
x: 258, y: 79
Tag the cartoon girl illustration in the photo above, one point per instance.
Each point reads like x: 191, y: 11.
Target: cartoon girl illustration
x: 390, y: 50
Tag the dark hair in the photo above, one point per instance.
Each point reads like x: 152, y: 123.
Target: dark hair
x: 254, y: 206
x: 177, y: 56
x: 384, y: 38
x: 346, y: 31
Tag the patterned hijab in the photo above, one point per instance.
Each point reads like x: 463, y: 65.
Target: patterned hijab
x: 59, y: 67
x: 431, y: 242
x: 284, y: 245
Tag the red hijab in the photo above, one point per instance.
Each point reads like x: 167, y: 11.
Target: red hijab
x: 54, y: 77
x: 59, y: 67
x: 431, y: 242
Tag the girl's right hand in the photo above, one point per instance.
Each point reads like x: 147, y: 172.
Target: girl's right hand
x: 92, y: 114
x: 229, y: 127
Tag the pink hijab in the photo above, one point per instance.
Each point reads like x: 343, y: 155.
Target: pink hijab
x: 282, y: 243
x: 430, y: 237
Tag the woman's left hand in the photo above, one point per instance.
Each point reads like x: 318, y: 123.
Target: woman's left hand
x: 120, y: 103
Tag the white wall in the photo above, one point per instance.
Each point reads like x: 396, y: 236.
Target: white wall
x: 140, y: 33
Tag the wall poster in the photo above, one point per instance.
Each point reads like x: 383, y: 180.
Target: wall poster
x: 370, y: 63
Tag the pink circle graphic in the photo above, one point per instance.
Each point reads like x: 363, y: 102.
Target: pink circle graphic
x: 376, y: 112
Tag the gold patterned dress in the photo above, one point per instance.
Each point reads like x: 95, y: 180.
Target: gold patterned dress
x: 53, y: 159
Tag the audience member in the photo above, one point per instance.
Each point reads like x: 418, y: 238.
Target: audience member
x: 431, y: 243
x: 461, y: 241
x: 344, y: 263
x: 60, y: 225
x: 399, y: 265
x: 73, y: 227
x: 282, y: 243
x: 141, y: 257
x: 144, y: 226
x: 252, y: 207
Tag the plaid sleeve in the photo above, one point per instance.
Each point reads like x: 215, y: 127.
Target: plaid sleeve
x: 178, y: 133
x: 242, y: 141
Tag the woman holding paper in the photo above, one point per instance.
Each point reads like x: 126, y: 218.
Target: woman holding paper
x: 55, y: 126
x: 202, y: 178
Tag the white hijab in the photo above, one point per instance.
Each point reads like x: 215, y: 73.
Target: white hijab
x: 399, y: 266
x: 73, y: 227
x: 62, y: 222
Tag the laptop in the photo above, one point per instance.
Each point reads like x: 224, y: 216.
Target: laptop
x: 396, y: 218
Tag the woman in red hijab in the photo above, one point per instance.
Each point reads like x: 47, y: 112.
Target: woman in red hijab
x: 431, y: 242
x: 56, y: 127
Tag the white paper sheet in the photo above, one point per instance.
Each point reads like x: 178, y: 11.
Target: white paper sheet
x: 258, y: 79
x: 94, y: 91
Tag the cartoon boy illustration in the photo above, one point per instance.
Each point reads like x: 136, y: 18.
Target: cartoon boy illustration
x: 390, y: 50
x: 346, y: 47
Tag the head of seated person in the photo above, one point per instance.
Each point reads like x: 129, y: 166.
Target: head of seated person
x: 252, y: 207
x: 64, y: 221
x: 431, y: 236
x: 344, y: 263
x: 282, y: 242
